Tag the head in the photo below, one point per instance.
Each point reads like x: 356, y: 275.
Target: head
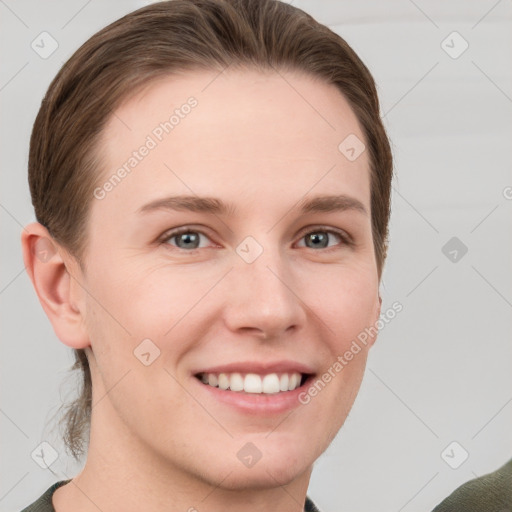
x: 251, y: 103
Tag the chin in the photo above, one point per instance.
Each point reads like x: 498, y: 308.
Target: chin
x: 278, y: 464
x: 262, y: 476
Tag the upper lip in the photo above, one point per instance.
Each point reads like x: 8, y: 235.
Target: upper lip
x: 258, y: 367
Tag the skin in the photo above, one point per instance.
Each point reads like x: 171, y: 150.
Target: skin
x: 255, y: 141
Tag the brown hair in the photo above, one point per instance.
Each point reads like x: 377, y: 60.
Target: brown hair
x: 157, y: 40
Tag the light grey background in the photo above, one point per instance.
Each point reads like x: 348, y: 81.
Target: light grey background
x: 441, y: 370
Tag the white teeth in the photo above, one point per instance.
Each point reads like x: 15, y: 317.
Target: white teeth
x: 294, y: 381
x: 271, y: 383
x: 252, y: 382
x: 223, y: 381
x: 236, y: 382
x: 283, y: 382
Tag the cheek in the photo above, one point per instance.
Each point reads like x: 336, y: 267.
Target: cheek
x: 142, y: 302
x: 348, y: 307
x: 169, y: 307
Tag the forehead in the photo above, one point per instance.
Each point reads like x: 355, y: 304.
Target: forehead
x: 236, y: 129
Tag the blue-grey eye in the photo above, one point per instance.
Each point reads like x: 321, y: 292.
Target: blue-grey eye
x: 319, y: 239
x: 188, y: 239
x: 185, y: 239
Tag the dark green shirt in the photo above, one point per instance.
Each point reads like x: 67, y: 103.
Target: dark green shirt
x: 488, y: 493
x: 44, y: 503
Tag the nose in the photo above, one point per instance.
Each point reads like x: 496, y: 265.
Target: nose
x: 264, y: 297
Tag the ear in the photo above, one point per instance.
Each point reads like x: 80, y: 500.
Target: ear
x: 54, y: 276
x: 376, y: 316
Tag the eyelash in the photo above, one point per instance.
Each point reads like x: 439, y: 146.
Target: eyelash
x: 346, y: 240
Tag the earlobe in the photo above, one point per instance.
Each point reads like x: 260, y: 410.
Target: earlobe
x: 376, y: 317
x: 378, y: 307
x: 51, y: 277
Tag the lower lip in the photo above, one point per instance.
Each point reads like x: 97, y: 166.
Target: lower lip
x: 257, y: 403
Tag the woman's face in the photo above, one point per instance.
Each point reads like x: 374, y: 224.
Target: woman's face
x: 260, y: 284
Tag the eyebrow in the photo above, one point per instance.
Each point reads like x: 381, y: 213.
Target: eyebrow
x: 212, y: 205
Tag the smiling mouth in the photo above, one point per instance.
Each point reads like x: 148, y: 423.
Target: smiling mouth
x: 269, y: 384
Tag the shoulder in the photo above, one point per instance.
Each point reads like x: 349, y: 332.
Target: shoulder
x: 44, y: 502
x: 309, y: 506
x: 488, y: 493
